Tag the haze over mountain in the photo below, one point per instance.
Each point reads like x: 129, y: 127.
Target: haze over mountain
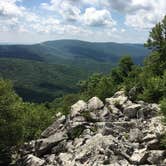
x: 47, y: 70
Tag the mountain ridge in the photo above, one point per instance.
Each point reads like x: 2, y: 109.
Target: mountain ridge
x: 78, y: 58
x: 73, y: 48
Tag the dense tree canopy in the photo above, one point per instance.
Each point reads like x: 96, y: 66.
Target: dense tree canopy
x: 19, y: 121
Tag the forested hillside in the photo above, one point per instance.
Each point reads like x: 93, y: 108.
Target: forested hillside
x: 44, y: 71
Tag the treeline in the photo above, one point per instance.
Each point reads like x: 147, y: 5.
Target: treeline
x: 21, y: 121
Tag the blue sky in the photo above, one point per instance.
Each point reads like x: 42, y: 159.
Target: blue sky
x: 31, y: 21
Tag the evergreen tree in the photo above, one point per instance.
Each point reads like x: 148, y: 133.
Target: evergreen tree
x: 157, y: 43
x: 11, y: 130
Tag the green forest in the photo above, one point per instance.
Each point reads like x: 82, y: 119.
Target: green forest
x: 45, y: 71
x: 22, y: 121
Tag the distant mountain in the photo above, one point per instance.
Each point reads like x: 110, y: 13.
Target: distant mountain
x: 47, y: 70
x: 74, y: 50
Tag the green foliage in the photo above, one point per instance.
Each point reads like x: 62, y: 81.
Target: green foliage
x: 157, y: 42
x: 133, y: 78
x: 43, y: 72
x: 163, y: 107
x: 157, y: 38
x: 125, y: 65
x: 88, y: 117
x: 150, y: 80
x: 76, y: 132
x: 153, y: 89
x: 38, y: 81
x: 98, y: 85
x: 19, y: 121
x: 35, y: 119
x: 64, y: 103
x: 10, y: 116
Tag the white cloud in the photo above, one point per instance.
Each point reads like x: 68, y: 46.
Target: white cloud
x: 95, y: 17
x: 123, y: 30
x: 146, y: 18
x: 69, y: 12
x: 130, y: 6
x: 8, y: 8
x: 79, y: 18
x: 53, y: 5
x: 66, y: 8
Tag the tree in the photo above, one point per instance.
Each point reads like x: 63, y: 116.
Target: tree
x: 157, y: 43
x: 19, y: 121
x: 125, y: 65
x: 157, y: 37
x: 11, y: 130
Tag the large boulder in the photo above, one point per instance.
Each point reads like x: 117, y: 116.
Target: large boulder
x: 45, y: 145
x: 77, y: 108
x: 139, y: 156
x: 132, y: 111
x: 118, y: 99
x: 56, y: 126
x: 95, y: 103
x: 93, y: 147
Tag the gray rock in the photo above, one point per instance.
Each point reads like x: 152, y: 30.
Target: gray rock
x: 113, y: 109
x: 118, y: 101
x: 27, y: 148
x: 139, y: 156
x: 156, y: 157
x: 94, y: 145
x: 132, y: 111
x: 65, y: 159
x: 119, y: 133
x: 59, y: 148
x: 51, y: 158
x: 56, y: 126
x: 153, y: 144
x: 149, y: 137
x: 95, y: 103
x: 105, y: 114
x: 77, y: 108
x: 32, y: 160
x: 45, y: 145
x: 135, y: 135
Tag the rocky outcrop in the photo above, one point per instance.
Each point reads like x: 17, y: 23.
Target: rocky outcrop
x: 117, y: 133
